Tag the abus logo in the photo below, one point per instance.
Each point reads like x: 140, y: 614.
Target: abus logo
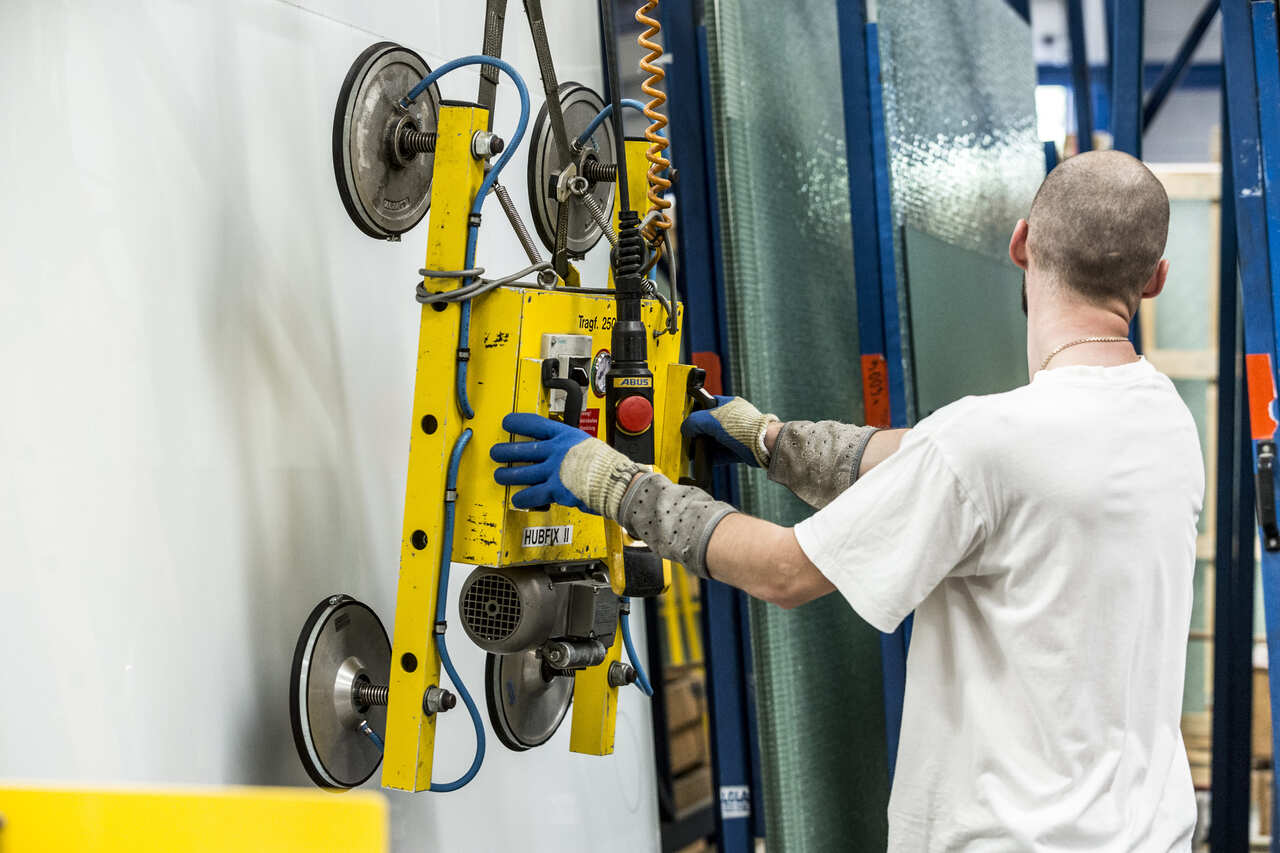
x: 634, y: 382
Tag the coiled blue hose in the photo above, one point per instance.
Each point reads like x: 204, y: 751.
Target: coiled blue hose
x: 473, y: 232
x: 642, y: 678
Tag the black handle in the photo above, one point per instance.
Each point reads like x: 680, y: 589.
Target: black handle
x: 699, y: 450
x: 643, y: 571
x: 1266, y: 495
x: 551, y: 380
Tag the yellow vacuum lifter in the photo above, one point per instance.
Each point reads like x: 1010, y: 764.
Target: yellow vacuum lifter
x: 548, y: 599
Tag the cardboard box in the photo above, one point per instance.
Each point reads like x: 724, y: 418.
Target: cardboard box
x: 1261, y: 718
x: 686, y: 700
x: 688, y: 749
x: 1262, y: 791
x: 693, y: 789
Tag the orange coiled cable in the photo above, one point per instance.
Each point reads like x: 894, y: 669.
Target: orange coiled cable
x: 658, y: 163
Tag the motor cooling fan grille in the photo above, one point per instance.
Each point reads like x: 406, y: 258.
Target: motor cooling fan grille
x: 491, y: 607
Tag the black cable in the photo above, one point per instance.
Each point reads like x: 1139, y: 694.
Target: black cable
x: 610, y: 38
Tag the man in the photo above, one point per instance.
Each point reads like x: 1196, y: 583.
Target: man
x: 1044, y: 537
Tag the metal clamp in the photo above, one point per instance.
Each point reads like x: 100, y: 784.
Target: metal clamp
x: 1266, y: 495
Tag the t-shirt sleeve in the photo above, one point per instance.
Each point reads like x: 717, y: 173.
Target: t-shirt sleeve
x: 898, y: 532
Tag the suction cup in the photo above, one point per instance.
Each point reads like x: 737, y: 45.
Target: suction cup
x: 525, y: 707
x: 384, y: 185
x: 343, y: 656
x: 580, y: 105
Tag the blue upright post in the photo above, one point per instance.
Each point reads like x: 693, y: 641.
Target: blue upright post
x: 735, y: 761
x: 883, y: 388
x: 1126, y: 93
x: 1254, y: 228
x: 1080, y: 91
x: 1126, y: 77
x: 1233, y: 561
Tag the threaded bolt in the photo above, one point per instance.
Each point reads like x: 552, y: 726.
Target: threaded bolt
x: 438, y: 700
x: 594, y: 170
x: 366, y: 694
x: 415, y: 142
x: 621, y: 674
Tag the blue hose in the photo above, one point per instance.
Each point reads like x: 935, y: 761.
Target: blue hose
x: 441, y: 787
x: 473, y: 232
x: 642, y: 679
x: 371, y: 734
x: 446, y: 561
x: 604, y: 114
x: 464, y: 405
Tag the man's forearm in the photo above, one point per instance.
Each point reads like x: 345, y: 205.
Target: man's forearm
x: 764, y: 560
x: 712, y: 539
x: 881, y: 446
x: 819, y: 460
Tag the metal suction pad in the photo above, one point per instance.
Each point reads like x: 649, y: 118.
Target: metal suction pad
x: 342, y: 649
x: 580, y: 105
x: 524, y: 707
x: 384, y: 182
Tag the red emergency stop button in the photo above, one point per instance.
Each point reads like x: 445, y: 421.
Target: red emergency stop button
x: 635, y: 414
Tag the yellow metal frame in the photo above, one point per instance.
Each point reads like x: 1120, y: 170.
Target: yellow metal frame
x: 195, y: 820
x: 415, y: 664
x: 505, y: 344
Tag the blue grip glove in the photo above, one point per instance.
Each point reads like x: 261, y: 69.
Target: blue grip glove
x: 736, y: 429
x: 566, y: 466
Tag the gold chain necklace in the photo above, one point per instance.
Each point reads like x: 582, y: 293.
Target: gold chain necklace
x: 1089, y: 340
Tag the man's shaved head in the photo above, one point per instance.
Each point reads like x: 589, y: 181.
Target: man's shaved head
x: 1098, y: 226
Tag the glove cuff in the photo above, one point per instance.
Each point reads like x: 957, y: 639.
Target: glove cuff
x: 676, y: 522
x: 745, y: 423
x: 818, y: 461
x: 599, y: 475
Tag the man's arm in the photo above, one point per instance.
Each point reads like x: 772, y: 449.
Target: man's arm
x: 764, y: 560
x: 882, y: 445
x: 884, y: 548
x: 816, y: 460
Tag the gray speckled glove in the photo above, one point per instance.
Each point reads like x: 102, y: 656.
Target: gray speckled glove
x: 676, y: 522
x: 818, y: 460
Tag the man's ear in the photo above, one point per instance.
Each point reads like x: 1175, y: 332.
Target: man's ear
x: 1155, y: 284
x: 1018, y: 245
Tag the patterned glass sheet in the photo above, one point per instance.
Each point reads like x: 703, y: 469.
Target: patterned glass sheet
x: 958, y: 84
x: 966, y: 160
x: 788, y: 258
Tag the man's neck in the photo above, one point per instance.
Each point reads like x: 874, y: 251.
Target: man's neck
x: 1065, y: 320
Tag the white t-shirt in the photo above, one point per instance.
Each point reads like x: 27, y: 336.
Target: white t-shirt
x: 1046, y: 540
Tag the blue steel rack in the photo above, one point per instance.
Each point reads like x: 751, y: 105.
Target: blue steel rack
x: 875, y: 279
x: 1252, y: 88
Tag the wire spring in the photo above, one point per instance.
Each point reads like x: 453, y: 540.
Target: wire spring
x: 594, y: 170
x: 658, y: 162
x: 415, y: 142
x: 597, y: 213
x: 517, y: 224
x: 370, y: 695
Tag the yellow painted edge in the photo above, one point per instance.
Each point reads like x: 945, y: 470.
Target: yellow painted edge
x: 595, y: 706
x: 191, y: 820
